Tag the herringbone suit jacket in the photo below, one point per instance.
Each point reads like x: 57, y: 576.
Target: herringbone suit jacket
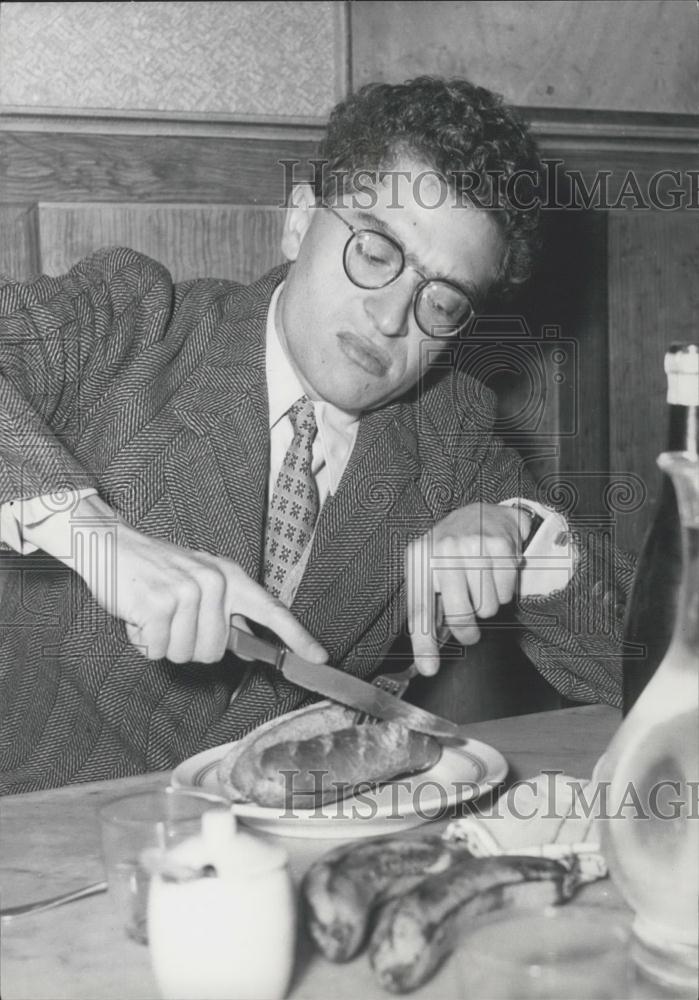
x: 155, y: 395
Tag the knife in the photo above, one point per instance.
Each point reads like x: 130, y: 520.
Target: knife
x: 342, y: 687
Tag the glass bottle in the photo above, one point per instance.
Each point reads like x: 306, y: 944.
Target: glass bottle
x: 648, y: 781
x: 652, y: 606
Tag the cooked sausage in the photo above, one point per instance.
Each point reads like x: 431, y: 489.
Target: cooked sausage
x: 417, y: 930
x: 342, y: 889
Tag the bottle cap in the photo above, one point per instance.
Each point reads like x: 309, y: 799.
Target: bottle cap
x: 682, y: 370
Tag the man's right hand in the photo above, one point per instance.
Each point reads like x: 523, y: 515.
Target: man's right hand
x: 175, y: 602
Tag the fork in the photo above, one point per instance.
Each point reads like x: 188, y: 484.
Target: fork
x: 47, y: 904
x: 395, y: 684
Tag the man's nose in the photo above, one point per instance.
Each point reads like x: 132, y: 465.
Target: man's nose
x: 390, y: 307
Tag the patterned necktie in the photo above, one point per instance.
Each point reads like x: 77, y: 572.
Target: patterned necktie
x: 295, y: 504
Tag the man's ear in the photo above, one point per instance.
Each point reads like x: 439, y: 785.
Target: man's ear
x: 298, y: 219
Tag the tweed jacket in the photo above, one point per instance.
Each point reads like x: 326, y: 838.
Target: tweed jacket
x: 155, y: 394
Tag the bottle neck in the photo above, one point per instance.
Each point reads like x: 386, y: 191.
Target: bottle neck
x: 683, y: 428
x: 686, y: 629
x: 683, y: 469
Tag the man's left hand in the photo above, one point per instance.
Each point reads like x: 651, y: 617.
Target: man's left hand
x: 464, y: 569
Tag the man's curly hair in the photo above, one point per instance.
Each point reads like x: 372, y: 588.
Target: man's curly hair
x: 454, y: 128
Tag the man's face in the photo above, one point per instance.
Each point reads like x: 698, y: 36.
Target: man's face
x: 360, y: 348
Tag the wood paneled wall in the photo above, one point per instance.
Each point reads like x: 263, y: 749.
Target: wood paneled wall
x: 653, y: 300
x: 203, y: 206
x: 239, y: 242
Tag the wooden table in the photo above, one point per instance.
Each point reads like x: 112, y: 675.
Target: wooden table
x: 50, y: 843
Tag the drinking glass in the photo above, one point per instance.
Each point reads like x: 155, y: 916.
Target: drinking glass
x: 134, y: 825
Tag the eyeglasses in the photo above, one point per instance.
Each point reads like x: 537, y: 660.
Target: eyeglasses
x: 373, y: 260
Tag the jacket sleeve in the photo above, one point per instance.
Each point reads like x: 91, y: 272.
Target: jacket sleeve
x: 574, y: 635
x: 63, y: 341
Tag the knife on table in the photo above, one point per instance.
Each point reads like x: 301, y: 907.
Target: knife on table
x: 345, y: 688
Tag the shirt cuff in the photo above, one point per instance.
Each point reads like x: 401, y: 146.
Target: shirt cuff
x: 550, y: 556
x: 18, y: 517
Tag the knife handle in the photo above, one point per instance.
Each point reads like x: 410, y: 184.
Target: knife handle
x: 250, y: 647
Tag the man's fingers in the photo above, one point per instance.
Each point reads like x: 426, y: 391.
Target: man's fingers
x: 239, y: 621
x: 182, y: 628
x: 179, y: 603
x: 442, y: 630
x: 484, y: 596
x: 505, y: 580
x: 425, y: 651
x: 211, y: 632
x: 471, y: 559
x: 458, y: 610
x: 465, y: 630
x: 293, y: 634
x: 422, y: 625
x: 133, y: 634
x: 151, y: 639
x: 211, y: 626
x: 247, y: 598
x: 421, y: 606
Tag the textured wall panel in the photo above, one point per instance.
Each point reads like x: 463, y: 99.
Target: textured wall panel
x: 270, y: 58
x: 620, y: 55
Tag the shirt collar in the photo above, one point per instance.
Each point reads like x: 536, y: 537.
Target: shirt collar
x: 283, y: 386
x: 337, y: 430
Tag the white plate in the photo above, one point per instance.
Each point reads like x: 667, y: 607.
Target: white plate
x: 461, y: 774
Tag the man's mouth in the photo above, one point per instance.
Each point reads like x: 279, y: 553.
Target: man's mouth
x: 361, y: 352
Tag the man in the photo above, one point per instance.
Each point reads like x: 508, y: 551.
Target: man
x: 281, y: 453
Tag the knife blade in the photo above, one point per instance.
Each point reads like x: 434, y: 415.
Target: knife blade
x: 345, y: 688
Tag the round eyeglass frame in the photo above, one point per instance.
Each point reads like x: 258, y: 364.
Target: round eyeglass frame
x: 419, y: 289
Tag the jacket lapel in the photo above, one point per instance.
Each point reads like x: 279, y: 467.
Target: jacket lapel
x: 223, y: 410
x: 356, y: 559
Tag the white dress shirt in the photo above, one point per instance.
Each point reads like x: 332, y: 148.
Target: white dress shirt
x: 337, y: 430
x: 332, y: 446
